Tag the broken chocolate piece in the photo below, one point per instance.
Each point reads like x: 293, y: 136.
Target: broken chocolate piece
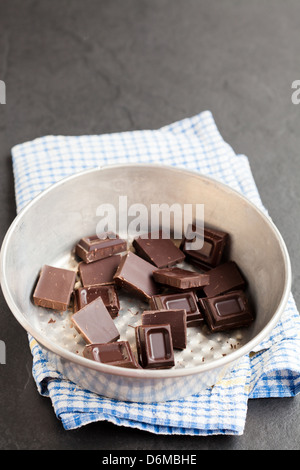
x: 93, y: 248
x: 54, y: 288
x: 118, y: 353
x: 86, y: 295
x: 162, y: 252
x: 154, y: 346
x: 186, y: 300
x: 95, y: 324
x: 214, y: 243
x: 134, y: 274
x: 180, y: 278
x: 100, y: 272
x: 227, y: 311
x: 175, y: 318
x: 224, y: 278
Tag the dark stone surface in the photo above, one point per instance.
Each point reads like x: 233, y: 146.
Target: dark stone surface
x: 100, y: 66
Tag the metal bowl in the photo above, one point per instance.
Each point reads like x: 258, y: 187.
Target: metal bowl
x: 46, y: 230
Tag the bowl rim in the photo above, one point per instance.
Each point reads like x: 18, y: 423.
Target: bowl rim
x: 144, y: 373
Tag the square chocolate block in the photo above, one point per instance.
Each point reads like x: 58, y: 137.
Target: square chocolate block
x: 180, y: 278
x: 227, y: 311
x: 86, y: 295
x: 93, y: 248
x: 186, y: 300
x: 135, y: 275
x: 95, y: 324
x: 175, y: 318
x: 54, y: 288
x: 118, y: 354
x: 224, y: 278
x: 154, y: 346
x: 210, y: 255
x: 99, y: 273
x: 162, y: 252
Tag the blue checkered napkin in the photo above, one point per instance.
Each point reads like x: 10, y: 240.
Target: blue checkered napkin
x: 272, y: 370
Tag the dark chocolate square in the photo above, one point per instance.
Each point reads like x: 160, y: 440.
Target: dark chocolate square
x: 211, y: 253
x: 161, y: 252
x: 180, y: 278
x: 224, y: 278
x: 154, y: 346
x: 118, y: 353
x: 93, y: 248
x: 227, y: 311
x: 54, y: 288
x: 135, y: 275
x: 186, y: 300
x: 175, y: 318
x: 95, y: 324
x: 86, y: 295
x: 100, y: 272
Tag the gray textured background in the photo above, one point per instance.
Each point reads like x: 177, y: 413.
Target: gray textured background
x: 99, y: 66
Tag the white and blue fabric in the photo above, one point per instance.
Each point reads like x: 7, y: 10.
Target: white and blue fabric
x: 272, y: 370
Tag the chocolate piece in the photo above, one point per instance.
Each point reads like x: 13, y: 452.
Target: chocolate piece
x: 134, y: 274
x: 54, y: 288
x: 154, y: 346
x: 100, y: 272
x: 227, y: 311
x: 95, y: 324
x: 224, y: 278
x: 85, y: 295
x: 118, y: 354
x: 214, y: 243
x: 186, y: 300
x: 93, y: 248
x: 180, y: 278
x: 161, y: 252
x: 175, y: 318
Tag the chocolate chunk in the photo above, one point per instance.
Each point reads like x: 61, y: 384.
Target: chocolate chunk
x: 210, y: 255
x: 175, y: 318
x: 85, y: 295
x: 95, y: 324
x: 186, y: 300
x: 154, y: 346
x: 227, y: 311
x: 100, y: 272
x: 54, y: 288
x: 93, y: 248
x: 162, y: 252
x: 134, y: 274
x: 180, y: 278
x: 224, y: 278
x: 118, y: 353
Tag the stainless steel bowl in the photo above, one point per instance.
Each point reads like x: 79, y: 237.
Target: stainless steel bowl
x: 46, y: 230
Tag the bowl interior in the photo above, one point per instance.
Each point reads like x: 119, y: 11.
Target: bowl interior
x: 46, y: 231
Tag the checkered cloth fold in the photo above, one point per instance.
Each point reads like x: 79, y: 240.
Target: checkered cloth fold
x: 272, y: 370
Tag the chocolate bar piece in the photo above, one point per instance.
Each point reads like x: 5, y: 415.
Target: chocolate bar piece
x: 162, y: 252
x: 175, y: 318
x: 214, y: 243
x: 118, y: 353
x: 95, y: 324
x: 227, y: 311
x: 54, y: 288
x: 85, y: 295
x: 154, y: 346
x: 134, y: 274
x: 180, y: 278
x: 93, y: 248
x: 224, y: 278
x: 186, y: 300
x: 100, y: 272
